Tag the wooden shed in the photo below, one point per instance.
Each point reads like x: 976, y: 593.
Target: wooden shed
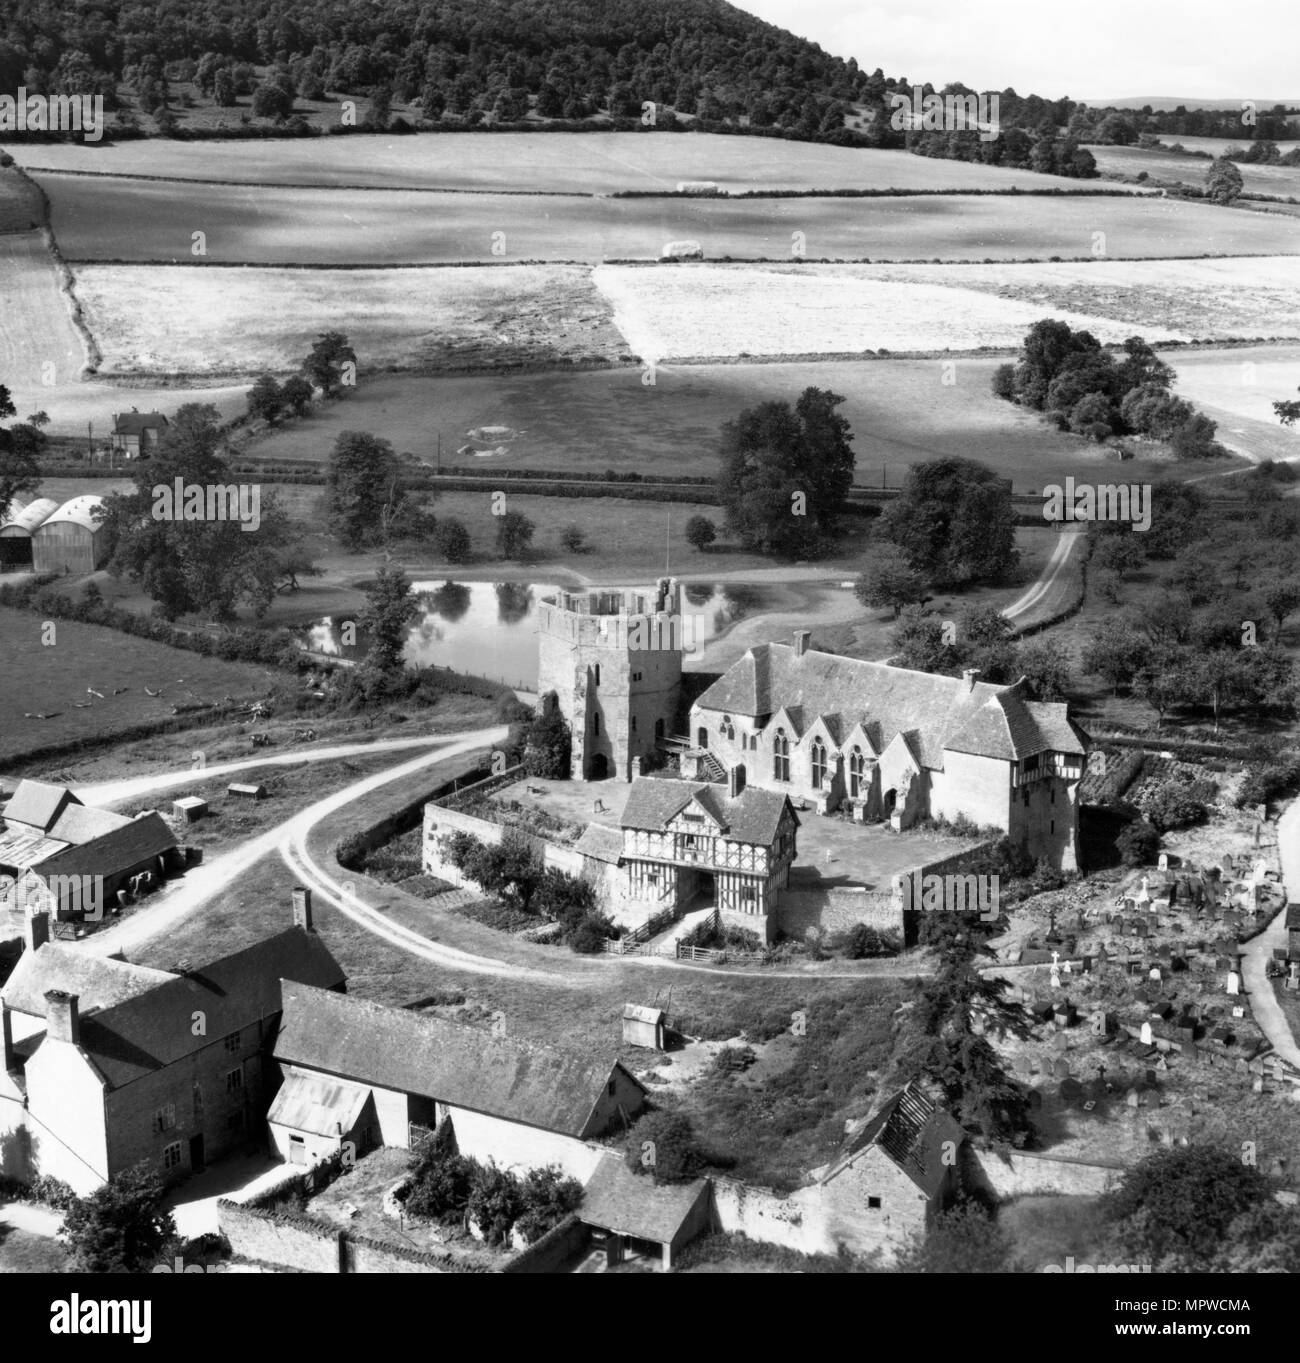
x: 643, y: 1026
x: 73, y: 539
x: 22, y: 520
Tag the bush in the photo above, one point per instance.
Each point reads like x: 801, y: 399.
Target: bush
x: 664, y: 1145
x: 1174, y: 803
x: 574, y: 540
x: 548, y: 1197
x: 864, y: 941
x: 1138, y: 843
x: 451, y: 539
x: 442, y: 1178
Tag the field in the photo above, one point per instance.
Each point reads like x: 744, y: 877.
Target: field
x: 576, y: 163
x: 900, y: 411
x: 149, y: 320
x: 1169, y: 166
x: 141, y: 221
x: 53, y: 680
x: 39, y: 346
x: 1237, y: 388
x: 20, y: 205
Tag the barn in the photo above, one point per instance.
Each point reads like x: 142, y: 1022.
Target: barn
x: 17, y: 528
x: 72, y: 539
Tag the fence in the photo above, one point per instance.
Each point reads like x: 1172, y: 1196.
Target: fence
x: 631, y: 942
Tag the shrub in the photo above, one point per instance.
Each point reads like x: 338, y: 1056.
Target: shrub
x: 548, y: 1197
x: 451, y: 539
x: 663, y: 1144
x: 573, y: 539
x: 1174, y: 803
x: 864, y: 941
x: 1138, y: 843
x: 495, y: 1202
x: 442, y: 1178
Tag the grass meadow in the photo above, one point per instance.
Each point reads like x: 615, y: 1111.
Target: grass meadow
x: 142, y: 220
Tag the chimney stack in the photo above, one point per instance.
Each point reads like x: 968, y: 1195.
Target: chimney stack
x: 969, y: 676
x: 38, y: 929
x: 62, y: 1019
x: 302, y: 907
x: 802, y: 638
x: 735, y: 782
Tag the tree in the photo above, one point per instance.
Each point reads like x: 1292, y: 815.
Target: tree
x: 1175, y: 1206
x: 785, y: 473
x: 296, y: 394
x: 362, y: 488
x: 511, y: 870
x: 223, y: 88
x: 1263, y: 1239
x: 386, y: 618
x: 1223, y: 182
x: 1094, y: 416
x: 122, y: 1227
x: 920, y: 643
x: 700, y: 533
x: 963, y: 1239
x: 889, y: 581
x: 514, y: 534
x: 663, y: 1144
x: 270, y: 100
x: 266, y: 400
x: 1115, y: 653
x: 328, y: 362
x: 1138, y: 843
x: 954, y: 522
x: 1282, y: 599
x: 451, y: 540
x: 1194, y: 438
x: 573, y: 539
x: 1046, y: 667
x: 196, y: 554
x: 548, y: 743
x: 19, y: 469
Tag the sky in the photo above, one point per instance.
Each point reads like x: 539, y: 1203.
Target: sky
x: 1104, y: 49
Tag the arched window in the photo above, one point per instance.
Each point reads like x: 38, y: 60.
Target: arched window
x: 818, y: 763
x: 781, y: 756
x: 857, y: 769
x: 727, y: 728
x: 596, y: 672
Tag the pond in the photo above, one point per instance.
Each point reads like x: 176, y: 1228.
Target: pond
x: 489, y: 629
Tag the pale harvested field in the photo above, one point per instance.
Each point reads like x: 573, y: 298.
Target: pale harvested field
x: 157, y: 319
x: 720, y: 310
x: 1238, y: 388
x: 1191, y: 170
x: 39, y: 346
x: 591, y: 163
x: 1216, y: 146
x: 1247, y: 297
x: 140, y: 220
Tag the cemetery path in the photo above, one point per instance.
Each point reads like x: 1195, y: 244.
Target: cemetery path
x: 1264, y: 1006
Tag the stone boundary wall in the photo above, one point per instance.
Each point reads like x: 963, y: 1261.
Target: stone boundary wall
x: 440, y: 822
x: 799, y: 912
x: 554, y: 1249
x: 1015, y: 1173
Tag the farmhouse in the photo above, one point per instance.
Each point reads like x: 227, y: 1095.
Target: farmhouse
x: 895, y: 744
x: 17, y: 526
x: 72, y: 540
x: 355, y: 1071
x: 687, y: 841
x: 107, y: 1064
x: 81, y: 857
x: 895, y: 1173
x: 136, y: 433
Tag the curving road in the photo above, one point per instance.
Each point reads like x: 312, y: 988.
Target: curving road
x: 1050, y: 590
x: 1264, y: 1007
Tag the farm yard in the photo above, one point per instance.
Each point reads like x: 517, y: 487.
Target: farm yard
x: 900, y: 412
x: 528, y: 163
x: 152, y: 320
x: 142, y: 221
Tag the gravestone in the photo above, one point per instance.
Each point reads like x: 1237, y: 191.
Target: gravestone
x: 1145, y: 1037
x: 1234, y: 982
x: 1163, y: 863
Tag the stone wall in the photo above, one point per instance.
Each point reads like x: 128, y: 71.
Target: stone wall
x: 280, y: 1238
x: 800, y: 912
x: 556, y: 1248
x: 1015, y: 1173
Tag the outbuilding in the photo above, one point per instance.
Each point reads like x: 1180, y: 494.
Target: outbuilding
x: 20, y: 522
x: 643, y: 1026
x: 73, y: 539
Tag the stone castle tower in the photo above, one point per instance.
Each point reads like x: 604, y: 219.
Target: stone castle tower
x: 613, y: 657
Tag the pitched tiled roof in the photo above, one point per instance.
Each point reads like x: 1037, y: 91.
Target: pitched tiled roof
x: 39, y: 804
x: 753, y: 817
x: 136, y: 841
x: 84, y: 823
x: 322, y: 1107
x: 134, y: 423
x: 943, y: 712
x: 1293, y: 917
x: 601, y: 843
x: 912, y: 1132
x: 99, y: 982
x: 464, y: 1066
x: 618, y: 1200
x: 155, y: 1028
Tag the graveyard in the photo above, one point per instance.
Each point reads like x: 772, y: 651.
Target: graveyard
x: 1140, y: 1025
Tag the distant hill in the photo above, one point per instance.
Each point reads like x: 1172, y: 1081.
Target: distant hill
x: 1168, y: 103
